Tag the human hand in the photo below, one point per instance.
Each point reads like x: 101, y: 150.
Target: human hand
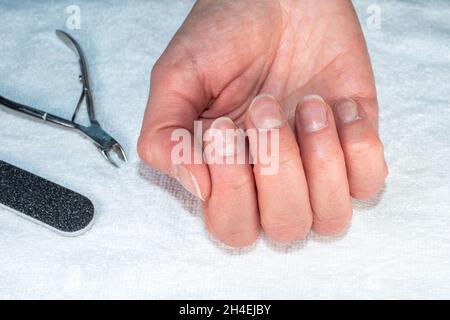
x: 229, y: 52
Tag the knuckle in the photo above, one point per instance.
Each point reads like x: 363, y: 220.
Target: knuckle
x: 286, y: 162
x: 157, y: 69
x: 147, y: 146
x: 288, y: 158
x: 367, y: 168
x: 238, y: 183
x: 365, y: 146
x: 288, y: 147
x: 330, y: 157
x: 143, y: 147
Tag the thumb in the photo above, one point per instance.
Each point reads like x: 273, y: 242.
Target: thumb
x: 176, y: 100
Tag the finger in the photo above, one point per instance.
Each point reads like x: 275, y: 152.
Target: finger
x: 363, y: 150
x: 167, y: 138
x: 231, y: 213
x: 283, y: 200
x: 324, y: 164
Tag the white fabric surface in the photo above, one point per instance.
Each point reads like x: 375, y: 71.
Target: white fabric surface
x: 148, y: 240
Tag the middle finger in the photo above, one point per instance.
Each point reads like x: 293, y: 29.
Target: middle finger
x: 281, y: 184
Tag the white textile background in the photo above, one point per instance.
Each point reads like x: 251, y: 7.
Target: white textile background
x: 148, y: 240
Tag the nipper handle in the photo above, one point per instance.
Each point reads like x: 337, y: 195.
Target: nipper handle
x: 36, y: 113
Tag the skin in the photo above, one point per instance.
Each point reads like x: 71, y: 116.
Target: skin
x: 227, y: 53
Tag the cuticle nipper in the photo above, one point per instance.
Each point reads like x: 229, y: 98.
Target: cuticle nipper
x: 94, y: 132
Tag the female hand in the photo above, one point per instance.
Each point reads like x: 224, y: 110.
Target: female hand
x: 303, y: 60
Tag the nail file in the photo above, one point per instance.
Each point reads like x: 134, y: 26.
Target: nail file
x: 44, y: 202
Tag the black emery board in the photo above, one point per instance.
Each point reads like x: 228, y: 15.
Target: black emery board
x: 44, y: 202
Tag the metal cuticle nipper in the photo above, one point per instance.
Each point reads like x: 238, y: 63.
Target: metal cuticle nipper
x: 94, y: 132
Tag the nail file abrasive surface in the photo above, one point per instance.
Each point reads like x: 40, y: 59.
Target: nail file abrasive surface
x: 44, y: 202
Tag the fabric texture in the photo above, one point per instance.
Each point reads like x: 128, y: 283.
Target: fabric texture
x: 148, y: 240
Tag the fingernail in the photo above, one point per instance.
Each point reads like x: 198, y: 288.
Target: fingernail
x: 312, y: 113
x: 347, y: 111
x: 265, y: 112
x: 223, y: 133
x: 187, y: 180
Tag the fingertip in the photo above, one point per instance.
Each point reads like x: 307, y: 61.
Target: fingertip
x: 334, y: 225
x: 364, y: 152
x: 367, y: 193
x: 289, y: 231
x: 367, y: 169
x: 234, y: 239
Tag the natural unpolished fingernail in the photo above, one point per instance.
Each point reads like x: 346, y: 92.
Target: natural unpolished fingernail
x: 347, y: 111
x: 223, y: 129
x: 187, y: 180
x: 312, y: 114
x: 265, y: 112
